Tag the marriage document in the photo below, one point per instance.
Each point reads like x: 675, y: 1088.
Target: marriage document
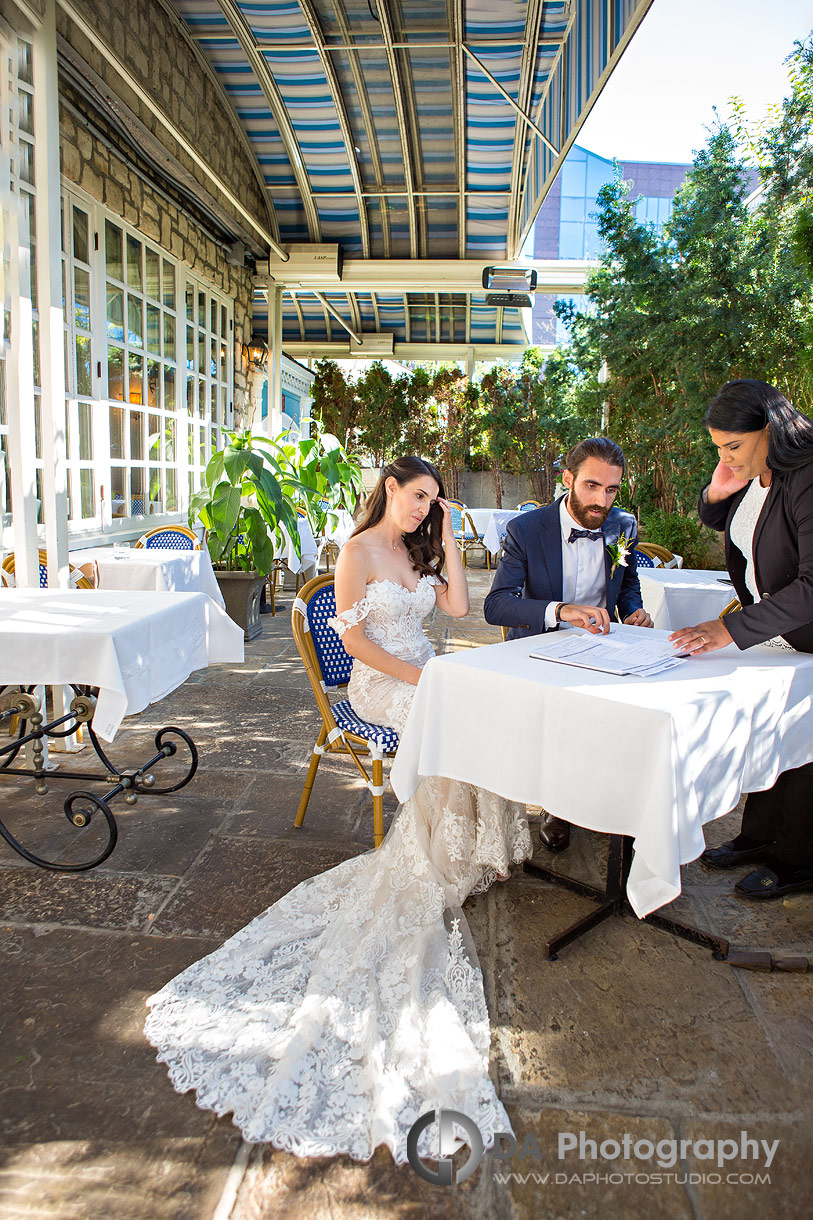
x: 637, y: 653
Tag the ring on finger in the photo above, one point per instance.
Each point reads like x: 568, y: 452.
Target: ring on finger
x: 702, y: 639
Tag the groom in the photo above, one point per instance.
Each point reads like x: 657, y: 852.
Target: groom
x: 571, y: 562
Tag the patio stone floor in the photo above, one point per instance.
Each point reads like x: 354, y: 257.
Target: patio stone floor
x: 630, y: 1031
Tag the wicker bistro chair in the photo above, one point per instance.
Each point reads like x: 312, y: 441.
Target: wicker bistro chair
x: 642, y: 559
x: 466, y: 533
x: 528, y: 506
x: 328, y: 667
x: 734, y: 604
x: 78, y: 579
x: 661, y: 554
x: 170, y: 538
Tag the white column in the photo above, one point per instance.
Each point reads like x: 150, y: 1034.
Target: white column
x: 274, y: 361
x: 49, y: 297
x: 20, y: 359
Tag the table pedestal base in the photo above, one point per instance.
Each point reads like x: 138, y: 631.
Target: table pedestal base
x: 612, y: 901
x: 80, y: 807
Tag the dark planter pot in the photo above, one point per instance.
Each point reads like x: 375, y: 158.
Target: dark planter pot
x: 241, y: 593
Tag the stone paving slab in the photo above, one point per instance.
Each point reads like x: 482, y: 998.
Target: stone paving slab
x: 630, y: 1031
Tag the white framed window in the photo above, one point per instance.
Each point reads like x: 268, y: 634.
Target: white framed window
x: 142, y: 420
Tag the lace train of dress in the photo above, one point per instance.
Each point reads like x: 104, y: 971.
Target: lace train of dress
x: 355, y: 1003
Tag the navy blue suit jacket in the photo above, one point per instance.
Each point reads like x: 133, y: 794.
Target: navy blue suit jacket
x: 529, y: 576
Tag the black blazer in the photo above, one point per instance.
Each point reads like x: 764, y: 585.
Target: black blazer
x: 783, y: 561
x: 529, y: 577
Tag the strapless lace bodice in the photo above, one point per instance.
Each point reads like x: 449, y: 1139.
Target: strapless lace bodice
x: 393, y: 618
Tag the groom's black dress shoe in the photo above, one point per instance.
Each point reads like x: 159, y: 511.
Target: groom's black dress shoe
x: 728, y: 856
x: 765, y: 883
x: 554, y: 833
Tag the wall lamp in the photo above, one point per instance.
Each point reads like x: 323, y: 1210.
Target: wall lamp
x: 255, y: 352
x: 509, y: 286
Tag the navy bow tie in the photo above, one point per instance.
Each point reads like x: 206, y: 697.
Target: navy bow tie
x: 593, y: 535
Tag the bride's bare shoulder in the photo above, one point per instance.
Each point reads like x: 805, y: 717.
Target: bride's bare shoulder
x: 356, y: 556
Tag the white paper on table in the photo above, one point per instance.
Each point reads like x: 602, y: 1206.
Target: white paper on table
x: 611, y: 654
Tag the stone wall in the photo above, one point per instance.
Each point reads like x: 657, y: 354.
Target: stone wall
x: 153, y: 44
x: 118, y: 182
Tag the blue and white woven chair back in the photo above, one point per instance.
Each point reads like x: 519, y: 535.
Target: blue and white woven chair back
x: 527, y: 506
x: 457, y: 519
x: 335, y: 663
x: 169, y: 540
x: 138, y: 508
x: 642, y: 560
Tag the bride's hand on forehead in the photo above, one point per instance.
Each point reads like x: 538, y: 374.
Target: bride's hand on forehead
x: 447, y: 529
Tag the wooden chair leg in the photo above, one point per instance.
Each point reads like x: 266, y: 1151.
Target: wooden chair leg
x: 316, y: 758
x: 378, y: 802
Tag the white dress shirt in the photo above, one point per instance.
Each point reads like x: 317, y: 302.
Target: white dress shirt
x: 583, y: 575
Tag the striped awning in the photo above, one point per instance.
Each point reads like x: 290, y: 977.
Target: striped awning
x: 409, y: 129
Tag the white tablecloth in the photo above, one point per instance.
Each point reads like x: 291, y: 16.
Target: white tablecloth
x: 168, y: 571
x: 682, y: 597
x: 308, y: 547
x: 341, y: 531
x: 135, y: 646
x: 495, y: 527
x: 654, y: 758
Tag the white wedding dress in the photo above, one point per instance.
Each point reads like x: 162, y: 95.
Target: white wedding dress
x: 355, y: 1004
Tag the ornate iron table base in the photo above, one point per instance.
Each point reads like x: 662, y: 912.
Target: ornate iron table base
x: 80, y: 807
x: 612, y: 900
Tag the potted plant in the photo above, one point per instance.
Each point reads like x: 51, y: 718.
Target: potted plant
x: 244, y: 507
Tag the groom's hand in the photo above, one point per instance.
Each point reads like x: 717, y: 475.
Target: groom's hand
x: 594, y: 618
x: 639, y: 618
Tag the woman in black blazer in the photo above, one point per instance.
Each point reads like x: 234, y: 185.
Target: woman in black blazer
x: 761, y: 495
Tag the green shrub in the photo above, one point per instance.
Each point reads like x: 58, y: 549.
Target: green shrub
x: 683, y: 535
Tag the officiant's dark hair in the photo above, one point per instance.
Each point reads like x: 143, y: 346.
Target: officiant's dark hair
x: 423, y: 544
x: 600, y: 447
x: 747, y: 405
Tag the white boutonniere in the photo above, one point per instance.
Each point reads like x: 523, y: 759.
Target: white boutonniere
x: 618, y: 552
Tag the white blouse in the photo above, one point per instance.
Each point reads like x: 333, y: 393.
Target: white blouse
x: 743, y: 524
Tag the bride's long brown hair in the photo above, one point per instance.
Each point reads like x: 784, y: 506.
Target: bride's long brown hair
x: 423, y: 545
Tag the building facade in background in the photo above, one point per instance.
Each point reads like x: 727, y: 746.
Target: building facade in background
x: 567, y: 225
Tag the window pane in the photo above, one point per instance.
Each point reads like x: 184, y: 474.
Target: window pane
x: 137, y: 436
x: 115, y: 373
x: 138, y: 483
x: 115, y: 313
x: 190, y: 395
x: 153, y: 274
x: 84, y: 383
x: 117, y: 432
x: 202, y: 399
x: 213, y: 407
x: 201, y: 353
x: 80, y: 236
x: 190, y: 303
x: 112, y: 245
x: 26, y: 162
x: 153, y: 329
x: 202, y: 309
x: 213, y: 317
x: 223, y: 362
x: 172, y: 495
x: 35, y: 335
x: 156, y: 499
x: 169, y: 336
x: 155, y: 436
x: 213, y: 357
x: 25, y: 112
x: 190, y: 349
x: 153, y: 383
x: 136, y: 364
x: 85, y: 431
x: 25, y: 62
x: 169, y: 440
x: 223, y: 321
x: 203, y: 446
x: 135, y: 322
x: 169, y: 389
x: 169, y: 285
x: 81, y: 298
x: 134, y: 276
x: 118, y: 482
x: 87, y: 493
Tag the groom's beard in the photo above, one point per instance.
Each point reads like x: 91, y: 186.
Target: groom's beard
x: 591, y: 516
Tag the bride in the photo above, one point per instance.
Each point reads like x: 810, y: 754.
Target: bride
x: 355, y: 1004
